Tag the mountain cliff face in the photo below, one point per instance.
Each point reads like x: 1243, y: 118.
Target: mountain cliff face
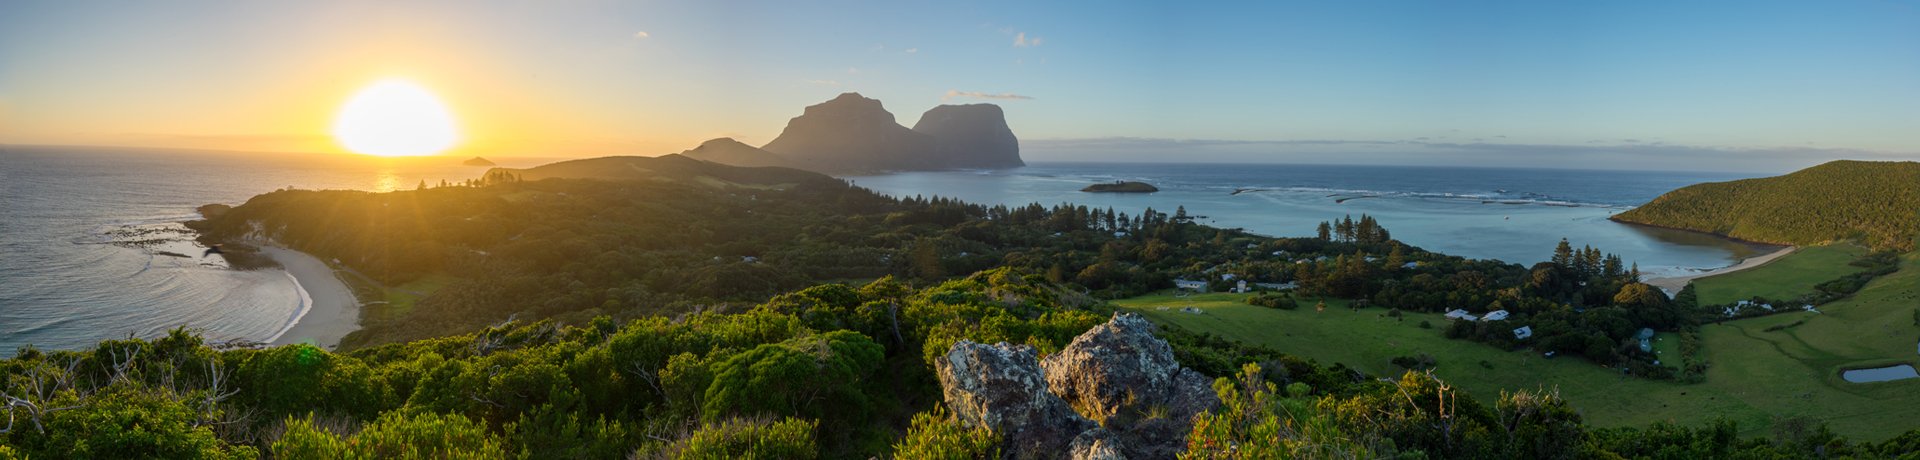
x: 971, y: 136
x: 852, y: 133
x: 727, y: 151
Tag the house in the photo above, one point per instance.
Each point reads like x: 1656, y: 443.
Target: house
x: 1191, y: 285
x: 1191, y: 310
x: 1279, y: 286
x: 1461, y: 314
x: 1241, y: 287
x: 1496, y: 315
x: 1226, y: 277
x: 1119, y: 234
x: 1410, y: 265
x: 1523, y: 332
x: 749, y: 259
x: 1279, y: 253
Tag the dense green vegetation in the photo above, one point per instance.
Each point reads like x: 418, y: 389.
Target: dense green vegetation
x: 1877, y: 203
x: 799, y: 376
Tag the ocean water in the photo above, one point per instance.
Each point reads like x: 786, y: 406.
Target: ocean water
x: 1514, y: 215
x: 91, y: 245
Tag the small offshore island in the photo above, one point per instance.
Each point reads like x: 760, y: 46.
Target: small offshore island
x: 477, y: 161
x: 1122, y: 187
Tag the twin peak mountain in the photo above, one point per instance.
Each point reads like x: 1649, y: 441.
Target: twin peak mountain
x: 854, y: 134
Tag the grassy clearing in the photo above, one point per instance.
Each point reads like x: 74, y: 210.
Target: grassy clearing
x: 1785, y: 278
x: 1755, y: 375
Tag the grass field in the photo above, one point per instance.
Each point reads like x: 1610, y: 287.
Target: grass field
x: 1755, y: 376
x: 1786, y: 278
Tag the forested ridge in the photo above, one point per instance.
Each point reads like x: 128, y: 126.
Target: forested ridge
x: 1877, y: 203
x: 690, y: 310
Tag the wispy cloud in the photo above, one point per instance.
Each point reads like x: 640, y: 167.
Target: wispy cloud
x: 912, y: 50
x: 642, y: 34
x: 853, y: 70
x: 981, y: 95
x: 1021, y: 40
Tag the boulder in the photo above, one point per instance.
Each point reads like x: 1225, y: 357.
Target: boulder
x: 1121, y: 375
x: 1001, y: 387
x: 1118, y: 374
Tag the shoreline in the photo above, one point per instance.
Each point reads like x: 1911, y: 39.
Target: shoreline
x: 329, y: 310
x: 1673, y: 284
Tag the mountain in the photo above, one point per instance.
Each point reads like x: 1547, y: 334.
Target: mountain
x: 477, y: 161
x: 853, y: 133
x: 1877, y: 203
x: 972, y: 136
x: 727, y: 151
x: 667, y: 168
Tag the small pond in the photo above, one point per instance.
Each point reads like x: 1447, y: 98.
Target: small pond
x: 1880, y: 374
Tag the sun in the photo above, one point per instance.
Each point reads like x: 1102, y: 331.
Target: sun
x: 395, y: 118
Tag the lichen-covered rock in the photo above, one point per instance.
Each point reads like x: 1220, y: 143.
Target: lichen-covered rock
x: 1120, y: 372
x: 1117, y: 373
x: 1121, y: 375
x: 1001, y: 387
x: 1096, y: 444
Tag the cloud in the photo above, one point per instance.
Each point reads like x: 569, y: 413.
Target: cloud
x: 853, y: 70
x: 912, y: 50
x: 981, y: 95
x: 1020, y: 40
x: 642, y: 34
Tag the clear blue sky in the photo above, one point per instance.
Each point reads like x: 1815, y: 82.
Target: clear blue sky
x: 1751, y: 85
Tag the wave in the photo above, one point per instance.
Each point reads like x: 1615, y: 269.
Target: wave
x: 1344, y: 194
x: 299, y: 312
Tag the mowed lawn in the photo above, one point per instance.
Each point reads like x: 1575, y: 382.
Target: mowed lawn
x: 1785, y: 278
x: 1755, y: 375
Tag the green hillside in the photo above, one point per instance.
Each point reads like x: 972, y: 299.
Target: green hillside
x: 1877, y: 203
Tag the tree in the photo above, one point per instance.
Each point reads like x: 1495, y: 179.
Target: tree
x: 1326, y: 231
x: 1563, y: 254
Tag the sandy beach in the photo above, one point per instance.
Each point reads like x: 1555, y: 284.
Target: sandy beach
x: 332, y: 311
x: 1673, y: 285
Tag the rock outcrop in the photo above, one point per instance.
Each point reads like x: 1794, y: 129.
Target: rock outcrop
x: 853, y: 133
x: 1001, y: 387
x: 1116, y: 391
x: 971, y: 136
x: 727, y: 151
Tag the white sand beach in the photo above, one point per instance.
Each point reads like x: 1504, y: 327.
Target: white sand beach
x: 333, y: 312
x: 1673, y: 285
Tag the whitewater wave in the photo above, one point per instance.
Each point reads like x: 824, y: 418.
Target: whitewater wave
x: 299, y: 312
x: 1521, y: 198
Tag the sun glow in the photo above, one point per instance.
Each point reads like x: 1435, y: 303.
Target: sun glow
x: 395, y: 118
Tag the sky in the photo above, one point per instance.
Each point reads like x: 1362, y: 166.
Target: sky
x: 1729, y: 86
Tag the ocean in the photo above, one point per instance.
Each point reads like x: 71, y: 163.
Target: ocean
x: 92, y: 247
x: 1514, y: 215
